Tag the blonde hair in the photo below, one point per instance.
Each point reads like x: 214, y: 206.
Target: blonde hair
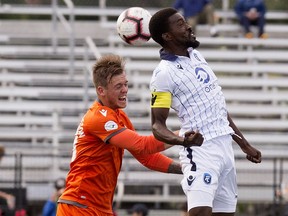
x: 105, y: 68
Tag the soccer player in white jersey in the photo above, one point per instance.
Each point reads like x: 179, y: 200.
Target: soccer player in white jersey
x: 184, y: 82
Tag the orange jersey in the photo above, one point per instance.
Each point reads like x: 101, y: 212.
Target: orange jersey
x: 88, y: 182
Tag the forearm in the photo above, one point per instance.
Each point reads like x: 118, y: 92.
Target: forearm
x: 157, y: 162
x: 175, y: 168
x: 167, y: 146
x: 4, y: 195
x: 163, y: 134
x: 238, y: 137
x: 132, y: 141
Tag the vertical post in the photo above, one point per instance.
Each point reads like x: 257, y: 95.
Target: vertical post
x: 86, y: 77
x: 55, y: 129
x: 274, y: 183
x: 54, y: 25
x: 72, y: 41
x: 225, y: 5
x: 19, y: 186
x: 281, y: 207
x: 55, y: 152
x: 18, y: 178
x: 102, y: 5
x: 275, y: 188
x: 89, y: 45
x: 18, y: 170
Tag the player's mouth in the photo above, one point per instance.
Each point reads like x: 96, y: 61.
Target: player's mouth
x: 123, y: 98
x: 192, y: 36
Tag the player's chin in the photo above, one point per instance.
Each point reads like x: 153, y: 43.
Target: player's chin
x: 122, y: 104
x: 193, y: 43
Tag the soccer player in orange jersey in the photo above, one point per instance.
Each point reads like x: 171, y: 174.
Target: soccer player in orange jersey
x: 103, y: 134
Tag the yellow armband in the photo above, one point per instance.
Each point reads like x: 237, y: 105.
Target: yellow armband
x: 161, y: 100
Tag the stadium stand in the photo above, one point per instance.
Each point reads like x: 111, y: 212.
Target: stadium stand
x: 41, y: 104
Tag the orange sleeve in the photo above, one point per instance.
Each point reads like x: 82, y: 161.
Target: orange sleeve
x: 130, y: 140
x: 157, y: 161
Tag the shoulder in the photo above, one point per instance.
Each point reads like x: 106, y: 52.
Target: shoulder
x: 197, y: 54
x: 162, y: 72
x: 98, y: 117
x: 101, y: 112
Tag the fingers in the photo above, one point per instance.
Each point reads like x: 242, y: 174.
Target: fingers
x: 189, y: 133
x: 255, y: 159
x: 193, y: 139
x: 198, y: 139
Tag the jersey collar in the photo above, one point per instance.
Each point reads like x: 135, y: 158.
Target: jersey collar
x: 164, y: 55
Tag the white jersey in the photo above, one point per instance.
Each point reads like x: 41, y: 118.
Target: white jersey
x: 195, y: 94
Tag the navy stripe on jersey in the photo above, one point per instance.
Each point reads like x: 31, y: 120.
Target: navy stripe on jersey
x: 190, y: 156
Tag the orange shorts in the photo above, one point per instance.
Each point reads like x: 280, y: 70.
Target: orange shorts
x: 64, y: 209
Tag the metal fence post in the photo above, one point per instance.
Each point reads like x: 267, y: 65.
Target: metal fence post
x: 54, y: 39
x: 71, y: 32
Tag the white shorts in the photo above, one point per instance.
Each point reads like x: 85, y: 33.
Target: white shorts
x: 210, y: 175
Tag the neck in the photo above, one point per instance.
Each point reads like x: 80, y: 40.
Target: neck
x: 100, y: 102
x: 177, y: 51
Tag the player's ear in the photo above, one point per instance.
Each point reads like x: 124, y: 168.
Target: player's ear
x: 100, y: 90
x: 166, y: 36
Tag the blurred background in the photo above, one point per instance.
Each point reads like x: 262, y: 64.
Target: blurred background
x: 47, y: 49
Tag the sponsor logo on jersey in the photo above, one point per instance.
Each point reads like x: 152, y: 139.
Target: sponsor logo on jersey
x: 103, y: 112
x: 211, y: 86
x: 190, y: 180
x: 110, y: 125
x: 207, y: 178
x: 202, y: 75
x: 196, y: 57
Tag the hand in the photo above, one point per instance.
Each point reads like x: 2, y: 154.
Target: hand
x: 193, y: 139
x: 252, y: 15
x: 253, y: 154
x: 10, y: 201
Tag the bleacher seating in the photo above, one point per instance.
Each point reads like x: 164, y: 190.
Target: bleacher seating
x: 41, y: 104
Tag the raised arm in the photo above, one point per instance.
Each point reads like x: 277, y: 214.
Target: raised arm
x: 252, y: 153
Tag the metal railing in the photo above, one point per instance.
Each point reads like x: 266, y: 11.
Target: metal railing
x: 90, y: 47
x: 69, y: 27
x: 33, y: 173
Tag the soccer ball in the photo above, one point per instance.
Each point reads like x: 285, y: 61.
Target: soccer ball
x: 133, y: 25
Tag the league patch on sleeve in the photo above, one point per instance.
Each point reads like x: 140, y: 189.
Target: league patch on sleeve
x: 110, y: 125
x: 161, y: 100
x: 207, y: 178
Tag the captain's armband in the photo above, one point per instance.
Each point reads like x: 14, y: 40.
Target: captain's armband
x: 161, y: 99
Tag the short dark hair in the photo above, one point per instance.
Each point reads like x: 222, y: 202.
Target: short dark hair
x: 139, y: 208
x: 60, y: 183
x: 105, y: 68
x: 159, y: 24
